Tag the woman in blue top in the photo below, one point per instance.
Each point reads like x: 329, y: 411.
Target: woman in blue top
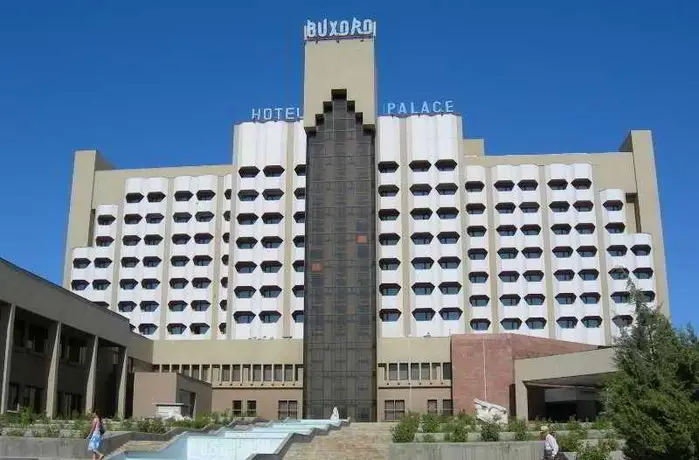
x: 94, y: 439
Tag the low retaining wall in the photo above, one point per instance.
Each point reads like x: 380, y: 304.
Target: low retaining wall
x: 76, y: 448
x: 520, y: 450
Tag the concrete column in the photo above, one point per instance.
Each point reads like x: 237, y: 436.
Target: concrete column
x: 90, y: 384
x: 7, y: 329
x: 122, y: 374
x: 54, y: 353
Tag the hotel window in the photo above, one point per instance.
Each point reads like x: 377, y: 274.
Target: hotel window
x: 447, y: 407
x: 415, y: 371
x: 393, y: 371
x: 446, y: 371
x: 432, y: 406
x: 267, y: 373
x: 288, y: 373
x: 287, y: 409
x: 278, y: 373
x: 425, y: 371
x: 237, y: 408
x: 225, y: 373
x: 256, y: 373
x: 394, y: 410
x: 252, y: 408
x: 403, y: 371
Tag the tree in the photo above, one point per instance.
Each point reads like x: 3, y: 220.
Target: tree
x: 652, y: 399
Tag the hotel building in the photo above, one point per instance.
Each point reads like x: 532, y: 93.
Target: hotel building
x: 375, y: 262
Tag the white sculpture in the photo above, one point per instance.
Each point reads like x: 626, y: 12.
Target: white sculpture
x: 489, y: 412
x: 335, y: 415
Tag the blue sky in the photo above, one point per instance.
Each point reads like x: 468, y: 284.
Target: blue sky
x: 161, y: 83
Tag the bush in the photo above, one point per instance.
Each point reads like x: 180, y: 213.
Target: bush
x: 447, y: 437
x: 429, y: 437
x: 519, y: 428
x: 601, y: 423
x: 430, y: 423
x: 466, y: 419
x: 490, y: 432
x: 126, y: 425
x: 598, y: 452
x: 151, y: 425
x: 571, y: 442
x: 403, y: 432
x: 460, y: 433
x: 609, y: 441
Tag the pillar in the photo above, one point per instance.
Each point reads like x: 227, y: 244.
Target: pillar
x: 7, y: 329
x: 90, y: 384
x: 54, y: 342
x: 122, y: 374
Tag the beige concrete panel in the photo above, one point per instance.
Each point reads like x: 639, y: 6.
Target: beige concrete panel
x: 598, y: 361
x: 151, y: 388
x: 473, y: 147
x: 339, y: 64
x: 109, y: 185
x: 284, y: 351
x: 640, y: 144
x: 267, y: 400
x: 415, y: 349
x: 43, y: 298
x: 558, y: 366
x: 415, y: 398
x: 202, y: 403
x: 140, y: 348
x: 85, y: 163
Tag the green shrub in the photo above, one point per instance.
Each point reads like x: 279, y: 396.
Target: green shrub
x: 460, y: 433
x: 151, y: 425
x: 429, y: 437
x: 15, y: 432
x: 609, y: 441
x: 490, y: 432
x: 404, y: 431
x: 126, y: 425
x: 598, y: 452
x: 519, y: 428
x: 571, y: 442
x: 26, y: 417
x: 601, y: 423
x: 466, y: 419
x: 447, y: 437
x: 430, y: 423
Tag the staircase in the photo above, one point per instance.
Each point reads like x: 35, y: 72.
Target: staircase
x: 358, y: 441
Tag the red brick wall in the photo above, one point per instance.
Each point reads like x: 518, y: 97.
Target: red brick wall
x: 483, y: 365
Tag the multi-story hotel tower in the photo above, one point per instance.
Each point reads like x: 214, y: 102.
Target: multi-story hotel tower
x: 344, y: 258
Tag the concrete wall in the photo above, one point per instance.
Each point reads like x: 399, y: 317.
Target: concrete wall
x: 523, y: 450
x: 267, y: 399
x: 151, y: 388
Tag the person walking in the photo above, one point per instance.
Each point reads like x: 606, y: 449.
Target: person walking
x: 550, y: 444
x: 95, y: 437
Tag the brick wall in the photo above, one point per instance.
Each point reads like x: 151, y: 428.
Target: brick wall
x: 483, y: 365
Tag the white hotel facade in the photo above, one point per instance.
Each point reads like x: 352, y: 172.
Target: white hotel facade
x: 464, y: 243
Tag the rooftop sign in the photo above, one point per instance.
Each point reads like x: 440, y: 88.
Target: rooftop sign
x: 337, y: 30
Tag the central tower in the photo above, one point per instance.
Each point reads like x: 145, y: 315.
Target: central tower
x: 340, y: 258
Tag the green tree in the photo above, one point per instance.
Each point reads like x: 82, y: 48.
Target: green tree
x: 652, y: 399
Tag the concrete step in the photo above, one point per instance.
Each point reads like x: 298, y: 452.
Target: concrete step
x: 359, y: 441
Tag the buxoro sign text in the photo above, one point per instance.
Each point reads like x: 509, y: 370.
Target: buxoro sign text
x: 336, y: 30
